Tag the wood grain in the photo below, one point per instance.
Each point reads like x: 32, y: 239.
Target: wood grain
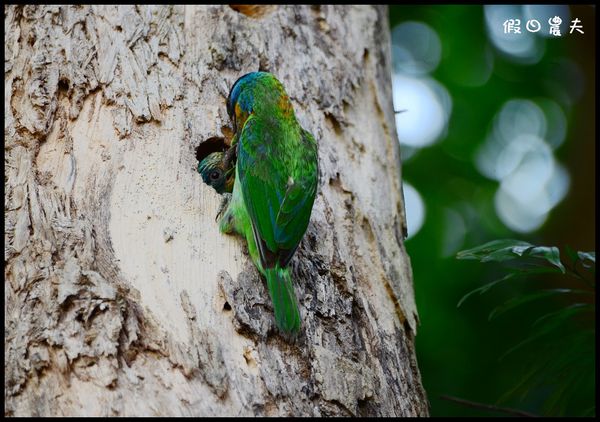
x: 121, y: 295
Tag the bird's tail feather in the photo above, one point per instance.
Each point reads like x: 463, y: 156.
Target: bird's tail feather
x: 287, y: 315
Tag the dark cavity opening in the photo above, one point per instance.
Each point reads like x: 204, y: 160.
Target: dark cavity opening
x: 63, y: 85
x: 210, y: 145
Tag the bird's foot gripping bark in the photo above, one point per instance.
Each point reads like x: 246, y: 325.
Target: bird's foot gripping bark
x: 226, y: 224
x: 223, y: 205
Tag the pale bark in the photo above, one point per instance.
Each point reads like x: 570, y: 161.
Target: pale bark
x: 121, y: 295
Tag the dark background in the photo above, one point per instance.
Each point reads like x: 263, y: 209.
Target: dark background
x: 458, y: 348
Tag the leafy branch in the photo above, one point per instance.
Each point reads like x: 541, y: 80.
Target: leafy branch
x: 564, y: 339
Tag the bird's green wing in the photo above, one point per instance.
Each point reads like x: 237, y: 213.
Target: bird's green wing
x: 278, y: 198
x: 294, y: 212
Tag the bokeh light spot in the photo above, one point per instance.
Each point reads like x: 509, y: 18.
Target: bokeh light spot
x: 519, y: 117
x: 517, y: 154
x: 525, y: 47
x: 416, y: 48
x: 427, y: 106
x: 504, y: 147
x: 517, y: 216
x: 531, y: 165
x: 415, y: 209
x: 523, y: 203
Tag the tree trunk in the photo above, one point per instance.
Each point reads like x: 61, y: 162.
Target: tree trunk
x: 121, y: 295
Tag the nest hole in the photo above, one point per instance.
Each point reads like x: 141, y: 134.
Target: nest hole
x: 212, y: 144
x: 63, y: 85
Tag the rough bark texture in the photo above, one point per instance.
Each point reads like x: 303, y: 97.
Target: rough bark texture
x: 121, y: 296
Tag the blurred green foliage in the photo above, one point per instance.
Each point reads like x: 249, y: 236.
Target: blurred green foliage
x: 459, y: 349
x: 559, y: 351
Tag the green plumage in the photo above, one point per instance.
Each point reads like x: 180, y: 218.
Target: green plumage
x: 275, y: 185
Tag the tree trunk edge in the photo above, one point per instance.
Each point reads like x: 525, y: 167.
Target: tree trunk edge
x: 81, y: 336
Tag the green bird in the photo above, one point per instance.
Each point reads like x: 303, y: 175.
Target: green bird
x: 218, y: 171
x: 275, y: 185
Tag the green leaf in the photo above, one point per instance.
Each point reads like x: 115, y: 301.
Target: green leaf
x: 587, y: 256
x: 519, y: 300
x: 488, y: 286
x: 550, y: 254
x: 564, y: 313
x: 506, y: 250
x: 560, y: 369
x: 496, y: 250
x: 485, y: 288
x: 558, y: 353
x: 551, y: 321
x: 523, y: 387
x: 558, y: 400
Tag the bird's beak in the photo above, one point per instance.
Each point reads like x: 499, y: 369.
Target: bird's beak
x: 229, y: 178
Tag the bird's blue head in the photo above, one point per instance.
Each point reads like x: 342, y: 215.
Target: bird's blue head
x: 240, y: 86
x: 252, y: 93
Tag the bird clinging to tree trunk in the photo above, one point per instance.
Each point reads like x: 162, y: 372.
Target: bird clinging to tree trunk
x: 275, y: 184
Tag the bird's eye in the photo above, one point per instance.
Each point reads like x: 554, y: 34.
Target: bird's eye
x: 215, y: 175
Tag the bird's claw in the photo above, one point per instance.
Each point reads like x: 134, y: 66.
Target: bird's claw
x: 223, y: 205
